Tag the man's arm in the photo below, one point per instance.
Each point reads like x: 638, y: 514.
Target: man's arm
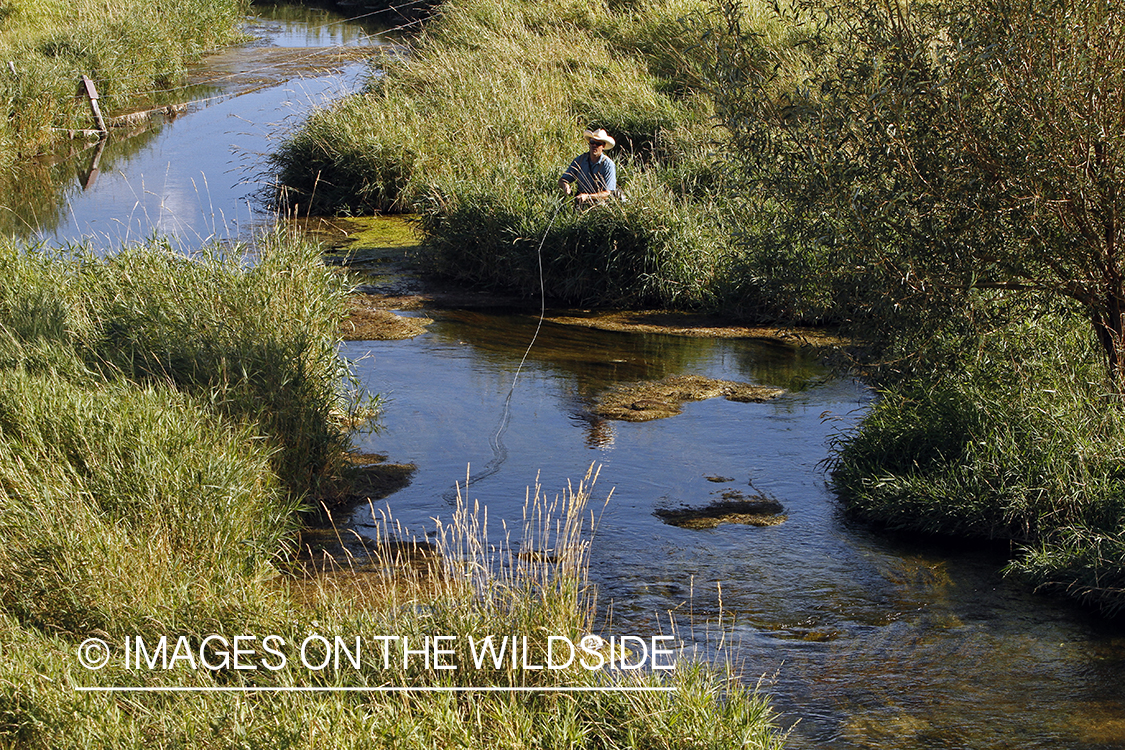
x: 569, y: 176
x: 587, y: 197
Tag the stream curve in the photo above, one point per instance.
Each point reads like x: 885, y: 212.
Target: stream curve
x: 863, y: 639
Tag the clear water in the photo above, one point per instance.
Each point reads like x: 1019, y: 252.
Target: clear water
x: 865, y: 640
x: 198, y: 177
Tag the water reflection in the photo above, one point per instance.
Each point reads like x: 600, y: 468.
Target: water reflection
x: 309, y: 26
x: 195, y: 174
x: 866, y: 640
x: 38, y: 193
x: 596, y: 359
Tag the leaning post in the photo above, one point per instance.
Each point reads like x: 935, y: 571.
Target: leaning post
x: 92, y: 95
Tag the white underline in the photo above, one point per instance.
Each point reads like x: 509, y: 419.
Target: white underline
x: 396, y: 689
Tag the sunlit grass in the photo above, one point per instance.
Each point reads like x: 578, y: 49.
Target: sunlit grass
x: 133, y: 50
x: 163, y: 421
x: 472, y: 125
x: 1016, y: 436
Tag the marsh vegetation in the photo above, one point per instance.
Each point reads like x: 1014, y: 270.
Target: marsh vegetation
x: 804, y: 163
x: 165, y: 424
x: 135, y: 51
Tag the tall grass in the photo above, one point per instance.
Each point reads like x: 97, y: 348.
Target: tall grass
x: 473, y: 125
x: 654, y: 250
x: 133, y: 50
x: 127, y: 505
x: 489, y: 94
x: 1014, y: 435
x: 137, y: 500
x: 253, y: 344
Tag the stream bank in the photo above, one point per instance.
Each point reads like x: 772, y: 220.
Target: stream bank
x: 865, y: 639
x: 721, y: 514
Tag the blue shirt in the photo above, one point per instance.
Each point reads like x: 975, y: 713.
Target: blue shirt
x: 592, y: 178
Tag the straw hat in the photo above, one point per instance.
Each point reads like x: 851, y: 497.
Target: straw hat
x: 599, y: 135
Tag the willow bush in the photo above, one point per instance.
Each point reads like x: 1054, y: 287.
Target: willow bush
x: 921, y: 163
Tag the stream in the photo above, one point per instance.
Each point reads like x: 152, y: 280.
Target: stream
x: 862, y: 639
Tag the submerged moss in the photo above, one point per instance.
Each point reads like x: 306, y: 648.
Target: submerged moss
x: 378, y: 232
x: 647, y: 400
x: 697, y: 325
x: 735, y: 507
x: 370, y: 319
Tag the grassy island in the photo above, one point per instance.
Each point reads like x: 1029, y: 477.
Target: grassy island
x: 472, y: 126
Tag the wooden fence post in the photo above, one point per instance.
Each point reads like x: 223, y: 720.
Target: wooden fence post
x: 92, y: 94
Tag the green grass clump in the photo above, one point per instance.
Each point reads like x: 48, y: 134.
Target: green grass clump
x: 136, y: 501
x: 252, y: 344
x: 489, y: 94
x: 125, y: 504
x: 654, y: 250
x: 1081, y: 560
x: 1014, y: 435
x: 131, y: 49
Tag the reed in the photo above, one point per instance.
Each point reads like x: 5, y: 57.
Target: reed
x: 654, y: 250
x: 473, y: 126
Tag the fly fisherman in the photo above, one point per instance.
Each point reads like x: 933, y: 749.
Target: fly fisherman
x: 595, y: 173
